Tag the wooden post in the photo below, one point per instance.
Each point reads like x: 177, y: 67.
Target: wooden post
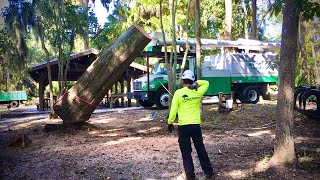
x: 43, y: 82
x: 122, y: 91
x: 78, y: 103
x: 129, y: 89
x: 266, y: 92
x: 232, y: 95
x: 220, y: 102
x: 116, y: 91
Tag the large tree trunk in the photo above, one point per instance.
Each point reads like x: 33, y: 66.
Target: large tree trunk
x: 78, y: 103
x: 284, y: 149
x: 254, y: 19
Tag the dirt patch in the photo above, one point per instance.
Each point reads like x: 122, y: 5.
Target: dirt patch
x: 136, y: 145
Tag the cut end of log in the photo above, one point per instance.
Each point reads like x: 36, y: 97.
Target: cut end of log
x: 142, y: 31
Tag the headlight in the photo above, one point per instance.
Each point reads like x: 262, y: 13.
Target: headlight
x: 152, y: 86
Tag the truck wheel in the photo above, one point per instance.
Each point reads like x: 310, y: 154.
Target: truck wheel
x: 251, y: 95
x: 145, y: 103
x: 14, y: 104
x: 162, y: 99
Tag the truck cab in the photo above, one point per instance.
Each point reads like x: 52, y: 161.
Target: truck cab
x: 153, y: 89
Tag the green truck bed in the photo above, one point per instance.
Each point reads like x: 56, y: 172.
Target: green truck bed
x: 13, y: 96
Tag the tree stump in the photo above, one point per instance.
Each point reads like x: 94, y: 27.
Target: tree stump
x: 78, y: 103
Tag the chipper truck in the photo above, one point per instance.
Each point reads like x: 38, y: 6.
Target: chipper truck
x: 248, y: 75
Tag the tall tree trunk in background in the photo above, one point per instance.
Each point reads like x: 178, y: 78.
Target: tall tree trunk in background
x: 284, y: 149
x: 7, y: 81
x: 174, y: 47
x: 315, y: 45
x: 165, y: 49
x: 187, y: 44
x: 46, y: 52
x: 198, y: 37
x: 198, y: 42
x: 65, y: 75
x: 86, y: 29
x: 254, y: 19
x: 245, y: 25
x: 61, y: 65
x: 228, y: 20
x: 264, y: 16
x: 303, y: 49
x: 173, y: 55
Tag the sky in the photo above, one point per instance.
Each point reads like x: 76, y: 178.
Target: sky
x: 101, y: 12
x: 272, y: 30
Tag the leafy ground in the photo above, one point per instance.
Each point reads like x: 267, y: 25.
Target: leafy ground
x: 136, y: 145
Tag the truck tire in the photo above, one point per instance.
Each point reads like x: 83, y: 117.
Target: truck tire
x: 162, y: 99
x: 145, y: 103
x: 297, y: 95
x: 14, y: 104
x: 251, y: 95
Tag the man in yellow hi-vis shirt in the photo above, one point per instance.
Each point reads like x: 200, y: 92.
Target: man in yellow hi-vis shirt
x: 186, y: 102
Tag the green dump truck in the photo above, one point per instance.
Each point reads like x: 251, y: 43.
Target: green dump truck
x: 14, y: 98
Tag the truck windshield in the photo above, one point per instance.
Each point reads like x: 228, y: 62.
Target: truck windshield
x: 160, y: 68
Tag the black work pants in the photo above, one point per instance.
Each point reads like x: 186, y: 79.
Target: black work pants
x: 186, y: 132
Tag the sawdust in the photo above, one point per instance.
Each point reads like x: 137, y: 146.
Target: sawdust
x: 136, y: 145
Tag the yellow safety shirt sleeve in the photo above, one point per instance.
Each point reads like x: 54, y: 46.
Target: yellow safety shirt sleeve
x: 203, y: 86
x: 186, y: 103
x: 174, y: 108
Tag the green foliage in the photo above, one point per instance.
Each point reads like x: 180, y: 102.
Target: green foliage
x: 56, y: 23
x: 308, y: 8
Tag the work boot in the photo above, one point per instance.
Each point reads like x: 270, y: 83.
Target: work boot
x: 211, y: 175
x: 190, y: 177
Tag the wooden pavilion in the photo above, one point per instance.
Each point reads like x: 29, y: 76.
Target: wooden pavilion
x: 78, y: 63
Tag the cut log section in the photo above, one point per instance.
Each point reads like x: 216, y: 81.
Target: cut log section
x: 79, y: 102
x: 21, y: 140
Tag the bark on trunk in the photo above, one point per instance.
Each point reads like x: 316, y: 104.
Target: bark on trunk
x: 284, y: 149
x: 78, y: 103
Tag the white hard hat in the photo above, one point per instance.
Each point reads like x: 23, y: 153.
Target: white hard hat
x: 188, y: 74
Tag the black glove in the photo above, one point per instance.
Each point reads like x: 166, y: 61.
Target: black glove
x: 194, y: 85
x: 170, y: 128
